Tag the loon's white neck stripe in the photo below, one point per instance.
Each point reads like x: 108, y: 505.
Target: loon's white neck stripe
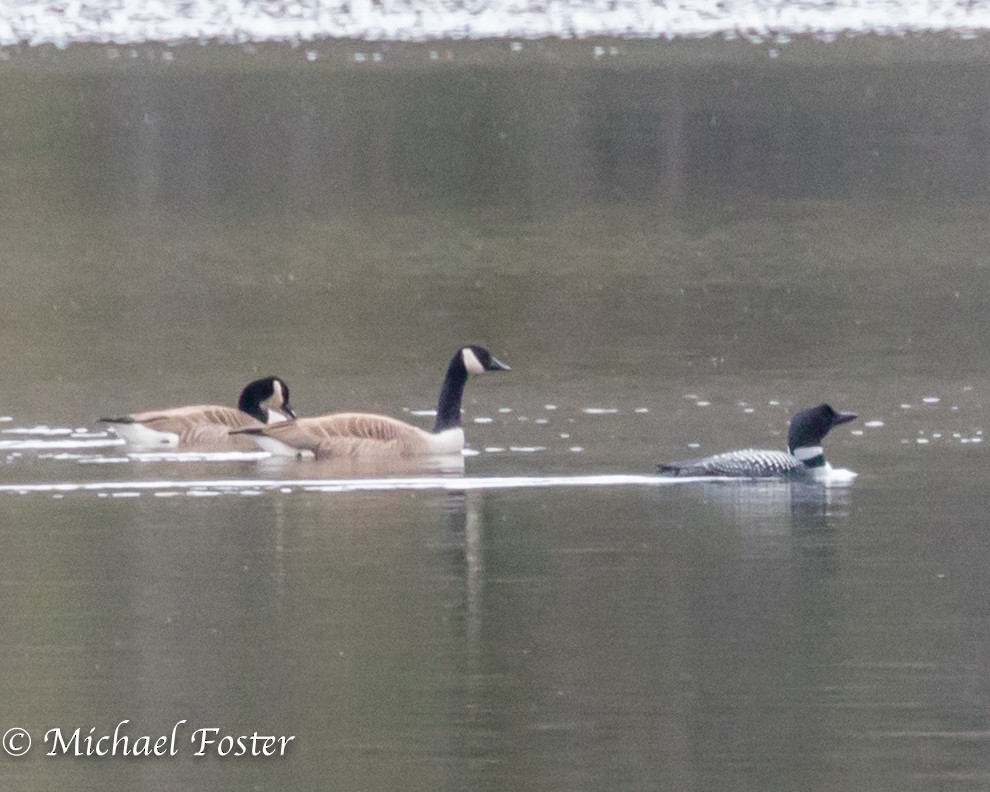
x: 804, y: 453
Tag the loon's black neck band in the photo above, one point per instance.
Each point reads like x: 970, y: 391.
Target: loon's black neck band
x: 449, y: 403
x: 815, y: 462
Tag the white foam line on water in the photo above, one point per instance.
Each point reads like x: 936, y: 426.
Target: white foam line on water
x: 45, y: 431
x: 198, y: 456
x: 839, y: 477
x: 356, y: 485
x: 20, y: 445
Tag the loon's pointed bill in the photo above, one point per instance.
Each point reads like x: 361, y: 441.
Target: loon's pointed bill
x: 804, y: 458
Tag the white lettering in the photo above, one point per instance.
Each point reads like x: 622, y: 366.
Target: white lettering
x: 204, y: 740
x: 173, y: 749
x: 209, y: 740
x: 60, y: 744
x: 117, y: 748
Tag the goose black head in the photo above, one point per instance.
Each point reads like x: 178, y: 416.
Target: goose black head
x: 477, y: 360
x: 266, y: 399
x: 466, y: 361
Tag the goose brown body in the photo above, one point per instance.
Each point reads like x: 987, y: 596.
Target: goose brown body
x: 193, y: 425
x: 372, y: 436
x: 358, y: 435
x: 208, y: 425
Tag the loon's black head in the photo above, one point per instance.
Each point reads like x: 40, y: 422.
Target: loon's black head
x: 810, y: 426
x: 264, y: 396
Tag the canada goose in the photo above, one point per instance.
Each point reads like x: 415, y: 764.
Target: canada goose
x: 365, y: 435
x: 804, y: 457
x: 262, y: 401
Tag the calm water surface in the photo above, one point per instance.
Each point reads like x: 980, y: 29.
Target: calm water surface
x: 674, y: 252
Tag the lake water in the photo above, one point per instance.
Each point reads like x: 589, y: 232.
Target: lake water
x: 675, y: 246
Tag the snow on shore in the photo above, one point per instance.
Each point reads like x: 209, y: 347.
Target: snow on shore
x: 62, y: 22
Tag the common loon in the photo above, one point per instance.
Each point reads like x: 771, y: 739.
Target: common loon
x: 804, y: 457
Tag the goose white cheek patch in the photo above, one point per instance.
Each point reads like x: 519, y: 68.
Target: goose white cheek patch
x: 275, y: 404
x: 471, y: 362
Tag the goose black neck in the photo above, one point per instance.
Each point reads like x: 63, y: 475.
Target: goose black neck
x: 251, y: 406
x: 449, y: 403
x: 256, y: 411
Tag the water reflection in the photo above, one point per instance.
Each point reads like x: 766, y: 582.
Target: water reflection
x: 536, y: 132
x: 467, y: 529
x: 361, y: 468
x: 762, y: 507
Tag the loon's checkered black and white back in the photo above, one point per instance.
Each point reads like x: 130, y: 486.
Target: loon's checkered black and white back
x: 746, y: 463
x: 803, y: 458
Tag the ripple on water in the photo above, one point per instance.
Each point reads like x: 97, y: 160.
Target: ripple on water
x: 48, y: 438
x: 254, y: 487
x: 924, y: 421
x: 198, y: 456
